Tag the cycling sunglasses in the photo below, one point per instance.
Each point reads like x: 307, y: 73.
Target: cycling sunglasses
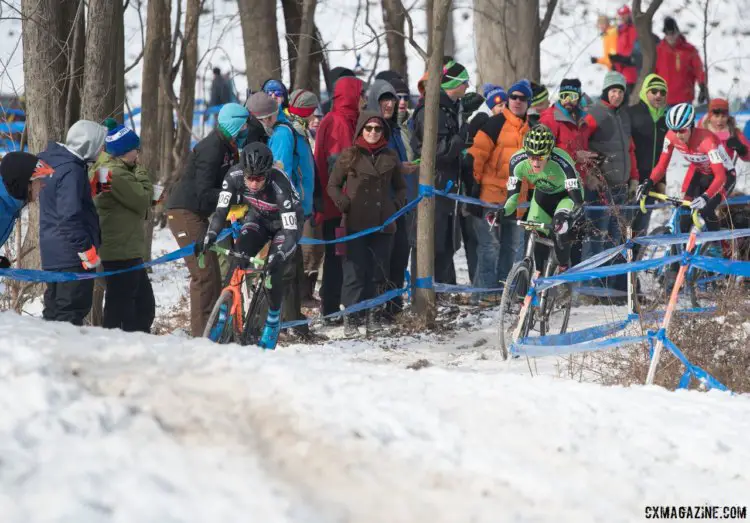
x: 373, y: 128
x: 538, y: 157
x: 658, y: 91
x: 568, y: 96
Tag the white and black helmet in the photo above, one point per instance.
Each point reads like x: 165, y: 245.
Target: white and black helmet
x: 681, y: 116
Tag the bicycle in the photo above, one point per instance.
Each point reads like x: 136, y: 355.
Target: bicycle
x: 654, y: 286
x: 556, y: 299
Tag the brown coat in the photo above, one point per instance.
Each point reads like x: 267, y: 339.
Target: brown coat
x: 366, y: 188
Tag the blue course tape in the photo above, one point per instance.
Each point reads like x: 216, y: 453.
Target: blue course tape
x: 423, y: 283
x: 447, y: 287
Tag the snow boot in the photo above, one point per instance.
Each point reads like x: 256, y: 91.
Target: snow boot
x: 350, y: 326
x: 373, y: 325
x: 271, y: 331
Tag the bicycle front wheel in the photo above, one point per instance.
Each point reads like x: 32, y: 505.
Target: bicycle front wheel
x: 511, y: 303
x: 220, y: 325
x: 255, y: 319
x: 654, y: 286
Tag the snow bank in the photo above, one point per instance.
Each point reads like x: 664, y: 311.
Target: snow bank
x: 103, y: 426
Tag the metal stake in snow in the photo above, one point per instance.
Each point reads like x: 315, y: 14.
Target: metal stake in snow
x: 671, y: 306
x: 631, y: 275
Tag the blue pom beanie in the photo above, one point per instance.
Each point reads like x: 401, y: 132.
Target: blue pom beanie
x: 232, y: 117
x: 523, y: 87
x: 495, y: 95
x: 121, y: 141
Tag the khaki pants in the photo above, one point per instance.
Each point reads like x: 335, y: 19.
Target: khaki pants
x: 205, y: 284
x: 312, y: 254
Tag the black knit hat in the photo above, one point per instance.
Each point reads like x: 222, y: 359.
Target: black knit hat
x: 570, y: 85
x: 670, y: 25
x: 16, y: 169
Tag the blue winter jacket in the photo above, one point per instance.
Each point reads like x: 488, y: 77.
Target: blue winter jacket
x: 9, y: 211
x: 68, y: 222
x: 298, y: 164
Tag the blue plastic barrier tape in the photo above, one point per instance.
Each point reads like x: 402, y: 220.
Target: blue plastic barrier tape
x: 604, y: 272
x: 558, y: 350
x: 576, y: 337
x: 424, y: 283
x: 720, y: 265
x: 450, y: 288
x: 403, y: 210
x: 700, y: 374
x: 702, y: 237
x: 357, y: 307
x: 600, y: 292
x: 426, y: 191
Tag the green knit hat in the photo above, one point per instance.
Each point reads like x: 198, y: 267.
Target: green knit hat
x: 454, y: 74
x: 539, y: 95
x: 110, y: 123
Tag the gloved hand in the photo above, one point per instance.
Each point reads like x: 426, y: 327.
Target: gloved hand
x: 576, y: 214
x: 702, y: 93
x: 699, y: 203
x: 736, y: 144
x: 561, y: 221
x: 4, y: 263
x: 594, y: 60
x: 620, y: 59
x: 643, y: 189
x: 632, y: 189
x: 90, y: 259
x: 202, y: 246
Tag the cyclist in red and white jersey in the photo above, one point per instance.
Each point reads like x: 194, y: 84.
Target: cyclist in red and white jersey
x: 710, y: 177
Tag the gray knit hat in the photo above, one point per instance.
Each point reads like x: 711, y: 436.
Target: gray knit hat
x: 302, y: 103
x: 613, y: 79
x: 261, y: 105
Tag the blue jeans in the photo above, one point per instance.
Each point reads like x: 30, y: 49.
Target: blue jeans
x: 497, y: 251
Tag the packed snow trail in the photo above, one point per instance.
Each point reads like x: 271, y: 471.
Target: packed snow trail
x: 100, y: 425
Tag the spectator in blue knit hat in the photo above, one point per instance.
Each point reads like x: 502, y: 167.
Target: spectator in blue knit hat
x: 123, y: 208
x: 495, y: 97
x: 278, y: 91
x: 194, y: 198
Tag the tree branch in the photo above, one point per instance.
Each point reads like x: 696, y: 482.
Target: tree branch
x: 655, y: 4
x: 410, y: 36
x: 143, y: 40
x: 377, y: 43
x: 551, y: 4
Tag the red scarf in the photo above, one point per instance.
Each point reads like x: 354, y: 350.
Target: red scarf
x: 371, y: 148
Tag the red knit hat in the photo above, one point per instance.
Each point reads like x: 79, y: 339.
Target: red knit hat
x: 718, y: 104
x: 302, y: 103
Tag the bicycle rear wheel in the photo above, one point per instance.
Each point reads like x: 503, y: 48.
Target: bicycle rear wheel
x: 514, y: 293
x: 556, y: 314
x: 707, y: 288
x: 255, y: 319
x: 220, y: 325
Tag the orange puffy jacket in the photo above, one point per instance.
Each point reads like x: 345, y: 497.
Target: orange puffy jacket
x: 498, y: 139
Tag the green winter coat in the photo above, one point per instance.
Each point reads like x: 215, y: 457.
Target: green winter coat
x: 122, y: 211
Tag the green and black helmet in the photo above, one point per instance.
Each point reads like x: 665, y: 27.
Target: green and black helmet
x: 539, y: 141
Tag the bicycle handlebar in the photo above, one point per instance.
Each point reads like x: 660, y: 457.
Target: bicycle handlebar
x: 677, y: 202
x: 531, y: 225
x: 258, y: 263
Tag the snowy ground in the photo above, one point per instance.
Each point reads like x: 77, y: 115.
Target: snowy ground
x: 103, y: 426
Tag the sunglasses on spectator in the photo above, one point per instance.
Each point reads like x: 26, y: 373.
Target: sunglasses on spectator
x: 277, y: 94
x: 403, y: 97
x: 573, y: 97
x: 373, y: 128
x: 519, y: 97
x: 719, y: 112
x: 658, y: 91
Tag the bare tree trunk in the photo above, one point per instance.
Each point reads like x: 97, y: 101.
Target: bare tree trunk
x: 643, y: 21
x: 158, y: 32
x: 394, y: 18
x: 425, y: 306
x: 47, y: 37
x: 76, y: 53
x: 100, y: 82
x: 302, y: 79
x: 293, y: 16
x: 187, y: 82
x: 449, y: 46
x: 262, y: 54
x: 119, y: 65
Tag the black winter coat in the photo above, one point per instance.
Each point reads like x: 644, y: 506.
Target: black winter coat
x: 648, y: 138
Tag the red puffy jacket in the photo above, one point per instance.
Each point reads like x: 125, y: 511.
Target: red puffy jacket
x: 681, y: 67
x: 570, y: 135
x: 626, y: 37
x: 336, y: 133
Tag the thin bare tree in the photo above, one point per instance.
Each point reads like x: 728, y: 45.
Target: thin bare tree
x: 302, y: 76
x: 424, y: 297
x: 449, y: 46
x: 644, y: 22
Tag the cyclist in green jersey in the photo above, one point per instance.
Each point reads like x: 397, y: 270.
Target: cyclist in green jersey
x: 558, y: 191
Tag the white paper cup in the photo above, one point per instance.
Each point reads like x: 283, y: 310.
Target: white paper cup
x: 103, y: 174
x: 158, y: 190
